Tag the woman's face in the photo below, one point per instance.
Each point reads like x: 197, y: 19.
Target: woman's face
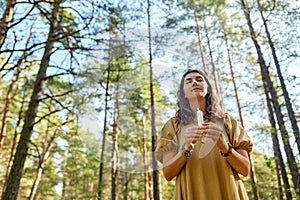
x: 194, y: 83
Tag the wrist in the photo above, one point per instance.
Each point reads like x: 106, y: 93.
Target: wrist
x: 228, y: 152
x: 186, y: 152
x: 187, y: 147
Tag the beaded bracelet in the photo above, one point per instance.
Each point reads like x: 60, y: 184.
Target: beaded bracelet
x: 184, y: 152
x: 228, y: 152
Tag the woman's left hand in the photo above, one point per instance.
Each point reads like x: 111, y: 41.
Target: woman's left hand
x: 238, y: 159
x: 215, y: 132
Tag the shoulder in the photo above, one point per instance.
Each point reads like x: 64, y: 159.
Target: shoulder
x: 171, y: 125
x: 166, y: 140
x: 230, y: 122
x: 237, y: 134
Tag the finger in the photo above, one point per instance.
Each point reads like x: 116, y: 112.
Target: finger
x: 192, y: 131
x: 194, y: 128
x: 193, y: 138
x: 213, y: 135
x: 212, y: 128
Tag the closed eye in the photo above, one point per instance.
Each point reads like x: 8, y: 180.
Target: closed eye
x: 199, y: 78
x: 188, y: 80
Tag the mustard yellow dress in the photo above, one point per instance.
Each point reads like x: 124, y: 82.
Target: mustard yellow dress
x: 210, y: 177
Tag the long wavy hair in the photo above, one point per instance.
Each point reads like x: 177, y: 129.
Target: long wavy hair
x: 213, y: 107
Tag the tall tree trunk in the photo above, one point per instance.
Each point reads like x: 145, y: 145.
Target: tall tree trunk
x: 101, y: 167
x: 233, y: 78
x: 270, y: 88
x: 6, y: 19
x: 145, y: 159
x: 14, y: 178
x: 106, y: 110
x: 278, y: 175
x: 14, y: 144
x: 288, y: 103
x: 9, y: 93
x: 156, y: 192
x: 277, y: 152
x: 37, y: 180
x: 115, y: 155
x: 199, y: 37
x: 126, y: 177
x: 253, y: 180
x: 66, y: 177
x: 214, y: 69
x: 8, y: 99
x: 252, y: 171
x: 40, y: 164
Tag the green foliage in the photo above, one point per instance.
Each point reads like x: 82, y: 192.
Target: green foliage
x: 265, y: 171
x: 74, y: 90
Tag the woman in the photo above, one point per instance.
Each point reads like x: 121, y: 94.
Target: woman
x: 215, y: 176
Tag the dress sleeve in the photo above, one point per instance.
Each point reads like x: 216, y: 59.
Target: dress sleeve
x: 167, y: 139
x: 237, y: 135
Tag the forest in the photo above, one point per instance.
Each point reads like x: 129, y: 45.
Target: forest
x: 85, y: 87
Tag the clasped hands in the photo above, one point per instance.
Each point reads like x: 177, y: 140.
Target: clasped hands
x: 209, y: 130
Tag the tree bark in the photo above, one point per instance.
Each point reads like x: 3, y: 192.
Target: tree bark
x: 101, y: 167
x: 267, y: 83
x: 199, y: 38
x: 252, y: 171
x: 156, y: 192
x: 10, y: 90
x: 115, y: 156
x: 145, y: 160
x: 14, y: 144
x: 288, y: 103
x: 214, y: 69
x: 233, y: 79
x: 277, y: 152
x: 14, y: 178
x: 6, y: 19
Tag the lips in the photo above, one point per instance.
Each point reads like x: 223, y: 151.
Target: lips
x: 196, y: 89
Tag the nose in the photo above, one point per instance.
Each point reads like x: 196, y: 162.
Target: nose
x: 195, y: 82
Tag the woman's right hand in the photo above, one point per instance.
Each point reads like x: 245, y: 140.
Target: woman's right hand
x: 192, y: 135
